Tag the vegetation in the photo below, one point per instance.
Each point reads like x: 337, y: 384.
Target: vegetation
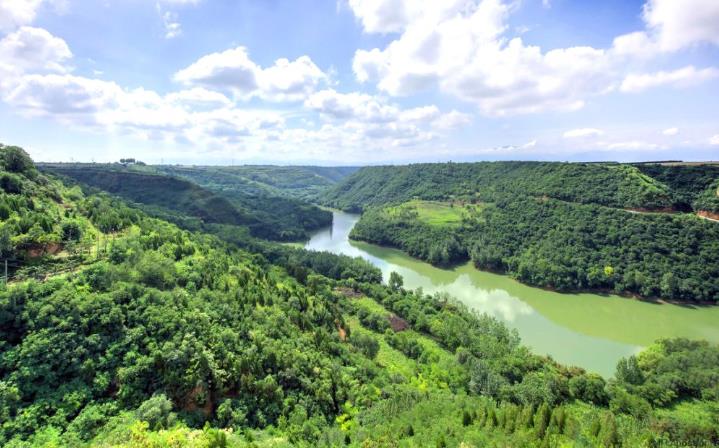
x: 566, y: 246
x: 299, y: 182
x: 194, y: 207
x: 613, y: 185
x: 555, y: 225
x: 156, y: 337
x: 693, y: 187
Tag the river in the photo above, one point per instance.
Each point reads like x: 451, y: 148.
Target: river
x: 588, y: 330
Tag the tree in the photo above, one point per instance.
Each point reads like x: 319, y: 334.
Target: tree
x: 15, y: 159
x: 71, y: 230
x: 157, y: 412
x: 395, y: 281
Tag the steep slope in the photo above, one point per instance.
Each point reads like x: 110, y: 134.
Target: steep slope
x: 161, y: 337
x: 300, y: 182
x: 692, y: 186
x: 173, y: 198
x: 613, y: 185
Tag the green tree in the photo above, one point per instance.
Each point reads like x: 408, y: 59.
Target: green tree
x: 395, y: 281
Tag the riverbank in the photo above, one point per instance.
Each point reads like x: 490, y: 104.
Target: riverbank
x: 584, y: 329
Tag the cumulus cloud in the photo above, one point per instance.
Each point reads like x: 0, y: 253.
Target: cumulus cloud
x: 672, y: 25
x: 683, y: 77
x: 583, y: 132
x: 714, y: 140
x: 375, y: 118
x: 463, y: 47
x: 671, y: 132
x: 34, y: 49
x: 233, y: 70
x: 459, y: 47
x: 14, y: 13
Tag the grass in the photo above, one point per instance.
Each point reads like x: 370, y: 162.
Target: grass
x: 370, y: 305
x: 388, y: 357
x: 438, y: 368
x: 436, y: 213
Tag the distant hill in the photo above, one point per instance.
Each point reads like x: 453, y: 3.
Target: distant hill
x: 694, y: 187
x: 180, y: 200
x: 613, y: 185
x: 566, y: 226
x: 300, y: 182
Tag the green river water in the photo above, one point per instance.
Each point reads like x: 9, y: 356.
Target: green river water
x: 588, y: 330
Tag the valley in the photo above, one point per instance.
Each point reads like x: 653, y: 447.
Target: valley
x: 583, y: 329
x: 142, y: 308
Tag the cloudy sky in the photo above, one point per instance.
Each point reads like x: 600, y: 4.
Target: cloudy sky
x: 360, y: 81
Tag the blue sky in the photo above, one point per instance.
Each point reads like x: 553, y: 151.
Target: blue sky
x: 360, y: 81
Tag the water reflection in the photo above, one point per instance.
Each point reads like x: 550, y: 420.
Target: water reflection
x: 587, y: 330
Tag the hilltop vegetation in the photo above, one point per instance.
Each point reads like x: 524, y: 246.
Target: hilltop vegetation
x: 694, y: 187
x: 613, y: 185
x: 197, y: 208
x: 161, y: 337
x: 569, y: 247
x: 299, y: 182
x: 564, y: 226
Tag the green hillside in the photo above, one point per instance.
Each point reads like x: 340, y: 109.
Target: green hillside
x: 300, y: 182
x: 271, y: 217
x: 613, y: 185
x: 156, y: 337
x: 563, y: 226
x: 691, y: 185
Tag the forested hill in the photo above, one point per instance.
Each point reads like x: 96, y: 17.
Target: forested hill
x: 193, y: 206
x: 566, y: 226
x: 693, y: 186
x: 122, y: 330
x: 300, y: 182
x: 613, y: 185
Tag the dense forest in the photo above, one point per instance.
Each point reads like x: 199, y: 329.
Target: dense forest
x: 195, y: 207
x: 693, y: 187
x: 299, y: 182
x: 118, y: 329
x: 613, y: 185
x: 580, y: 227
x: 566, y: 246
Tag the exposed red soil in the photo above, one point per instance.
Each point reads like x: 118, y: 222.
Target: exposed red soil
x: 708, y: 215
x: 397, y: 323
x: 39, y: 250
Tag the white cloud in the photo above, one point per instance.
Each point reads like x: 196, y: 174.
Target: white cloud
x: 372, y: 120
x: 198, y: 97
x: 683, y: 77
x: 463, y: 47
x: 714, y: 140
x: 452, y: 120
x: 679, y: 24
x: 234, y: 70
x: 173, y: 27
x: 583, y: 132
x: 33, y: 49
x: 358, y: 107
x: 14, y: 13
x: 670, y: 132
x: 672, y: 25
x: 391, y: 16
x: 77, y: 98
x: 459, y: 48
